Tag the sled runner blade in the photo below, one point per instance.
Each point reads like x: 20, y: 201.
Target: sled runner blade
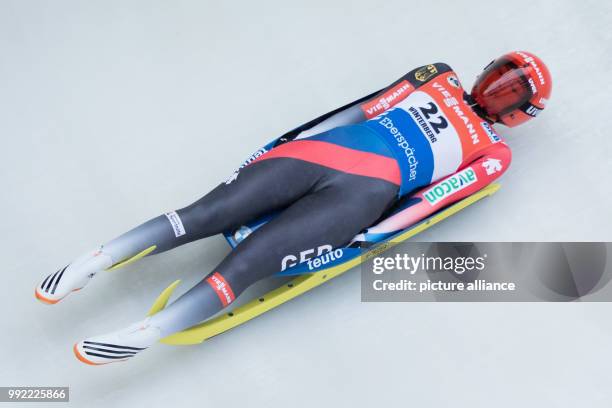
x: 162, y: 299
x: 303, y: 283
x: 136, y: 257
x: 294, y: 288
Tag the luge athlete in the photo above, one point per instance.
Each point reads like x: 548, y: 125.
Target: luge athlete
x: 423, y: 141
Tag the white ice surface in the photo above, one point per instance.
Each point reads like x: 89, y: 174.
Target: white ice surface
x: 114, y: 111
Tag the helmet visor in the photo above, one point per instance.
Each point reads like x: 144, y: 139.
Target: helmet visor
x: 502, y: 88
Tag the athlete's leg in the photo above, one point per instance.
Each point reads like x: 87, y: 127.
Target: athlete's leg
x: 328, y: 218
x: 258, y: 188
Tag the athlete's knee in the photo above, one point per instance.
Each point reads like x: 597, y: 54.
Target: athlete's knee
x: 200, y: 219
x: 238, y: 274
x: 225, y: 291
x: 241, y: 268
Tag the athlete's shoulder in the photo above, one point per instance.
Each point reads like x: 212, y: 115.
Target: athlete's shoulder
x: 422, y: 75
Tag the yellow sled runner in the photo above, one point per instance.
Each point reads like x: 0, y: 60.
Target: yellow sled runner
x: 302, y: 283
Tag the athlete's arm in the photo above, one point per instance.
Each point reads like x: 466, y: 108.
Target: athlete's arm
x: 471, y: 178
x: 371, y: 105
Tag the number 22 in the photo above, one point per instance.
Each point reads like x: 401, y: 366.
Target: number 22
x: 432, y: 109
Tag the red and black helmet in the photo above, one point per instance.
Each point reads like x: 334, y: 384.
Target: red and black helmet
x: 513, y: 88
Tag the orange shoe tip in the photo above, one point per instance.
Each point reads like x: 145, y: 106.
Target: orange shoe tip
x: 81, y: 358
x: 44, y: 299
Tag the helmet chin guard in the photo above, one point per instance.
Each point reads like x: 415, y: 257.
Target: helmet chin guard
x: 513, y: 88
